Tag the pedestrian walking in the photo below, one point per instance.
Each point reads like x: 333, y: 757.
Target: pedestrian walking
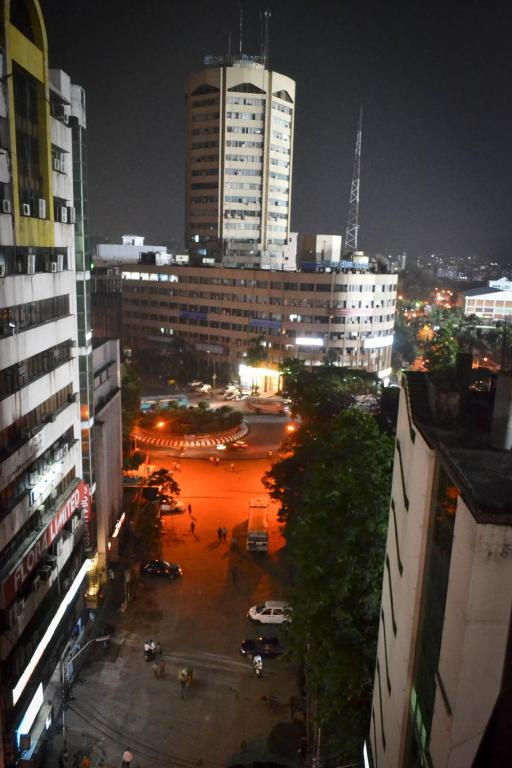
x: 162, y: 667
x: 219, y: 533
x: 192, y: 526
x: 156, y: 669
x: 158, y: 649
x: 224, y: 533
x: 86, y: 761
x: 217, y: 461
x: 231, y: 467
x: 127, y: 758
x: 190, y: 510
x: 76, y: 760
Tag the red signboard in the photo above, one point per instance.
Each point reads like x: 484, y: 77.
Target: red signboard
x: 31, y: 559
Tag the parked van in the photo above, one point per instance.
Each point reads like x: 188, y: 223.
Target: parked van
x: 267, y: 404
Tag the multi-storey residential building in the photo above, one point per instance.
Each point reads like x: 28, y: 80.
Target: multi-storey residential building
x: 447, y: 587
x: 346, y: 314
x: 43, y: 496
x: 239, y: 162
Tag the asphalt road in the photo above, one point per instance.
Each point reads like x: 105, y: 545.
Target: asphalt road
x: 199, y: 621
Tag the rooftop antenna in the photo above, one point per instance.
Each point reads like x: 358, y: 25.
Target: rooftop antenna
x: 241, y: 27
x: 352, y: 229
x: 266, y: 38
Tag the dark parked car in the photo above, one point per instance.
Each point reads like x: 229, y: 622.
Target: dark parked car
x: 263, y: 646
x: 161, y: 568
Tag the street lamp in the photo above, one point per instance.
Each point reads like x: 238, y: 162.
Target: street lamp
x: 64, y: 682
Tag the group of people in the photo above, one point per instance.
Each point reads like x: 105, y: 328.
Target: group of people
x: 222, y: 533
x: 151, y: 649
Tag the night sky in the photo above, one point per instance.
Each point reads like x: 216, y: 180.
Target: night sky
x: 435, y: 80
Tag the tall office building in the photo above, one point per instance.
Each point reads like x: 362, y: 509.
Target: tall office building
x: 443, y: 672
x: 240, y: 119
x: 44, y: 500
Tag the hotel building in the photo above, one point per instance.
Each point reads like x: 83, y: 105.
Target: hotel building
x: 44, y: 500
x: 240, y: 118
x: 443, y: 672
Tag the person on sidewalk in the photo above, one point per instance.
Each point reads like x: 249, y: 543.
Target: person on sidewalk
x: 190, y: 509
x: 127, y: 758
x: 219, y: 533
x: 224, y: 533
x: 86, y: 761
x: 192, y: 527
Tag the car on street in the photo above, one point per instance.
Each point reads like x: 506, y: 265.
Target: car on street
x: 171, y: 506
x: 261, y: 646
x: 270, y: 612
x: 161, y: 568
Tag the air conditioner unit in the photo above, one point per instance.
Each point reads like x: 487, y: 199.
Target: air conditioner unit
x: 65, y: 448
x: 60, y: 262
x: 12, y: 616
x: 65, y: 118
x: 60, y: 454
x: 36, y: 584
x: 31, y: 264
x: 56, y: 164
x: 71, y: 215
x: 6, y: 206
x: 42, y: 207
x: 44, y: 573
x: 25, y: 209
x: 22, y: 371
x: 54, y: 494
x: 51, y: 561
x: 51, y: 266
x: 63, y: 214
x: 20, y: 607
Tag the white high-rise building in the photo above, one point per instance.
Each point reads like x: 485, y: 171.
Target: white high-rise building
x: 240, y: 119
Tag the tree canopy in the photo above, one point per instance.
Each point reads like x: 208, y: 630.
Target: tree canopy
x: 333, y: 491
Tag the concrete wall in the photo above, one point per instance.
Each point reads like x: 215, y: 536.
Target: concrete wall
x: 474, y: 642
x: 405, y: 550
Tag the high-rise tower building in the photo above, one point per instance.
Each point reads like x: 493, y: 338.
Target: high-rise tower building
x: 43, y: 332
x: 240, y: 118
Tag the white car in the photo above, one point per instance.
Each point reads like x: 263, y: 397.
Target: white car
x: 270, y: 612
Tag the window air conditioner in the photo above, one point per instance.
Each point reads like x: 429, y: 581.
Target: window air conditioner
x: 42, y: 208
x: 12, y: 616
x: 6, y: 206
x: 60, y: 262
x: 56, y: 164
x: 45, y: 573
x: 25, y: 209
x: 63, y: 214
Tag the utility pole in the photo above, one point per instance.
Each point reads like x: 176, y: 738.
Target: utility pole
x: 352, y: 229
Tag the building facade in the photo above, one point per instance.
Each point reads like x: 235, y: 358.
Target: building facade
x: 489, y: 303
x: 240, y: 118
x: 447, y: 585
x: 344, y: 315
x: 108, y: 448
x: 44, y: 501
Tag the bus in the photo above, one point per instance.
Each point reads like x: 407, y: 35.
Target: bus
x: 257, y: 528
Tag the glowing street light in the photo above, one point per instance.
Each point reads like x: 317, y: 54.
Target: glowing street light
x: 160, y: 424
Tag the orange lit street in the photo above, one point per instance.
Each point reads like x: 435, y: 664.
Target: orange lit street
x: 200, y: 621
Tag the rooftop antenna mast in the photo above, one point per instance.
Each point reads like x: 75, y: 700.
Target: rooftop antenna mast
x: 241, y: 27
x: 266, y: 38
x: 352, y: 229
